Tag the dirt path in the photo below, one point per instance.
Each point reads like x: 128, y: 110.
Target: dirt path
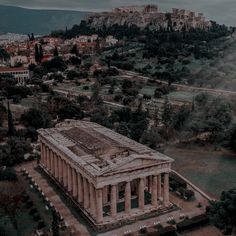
x: 181, y: 86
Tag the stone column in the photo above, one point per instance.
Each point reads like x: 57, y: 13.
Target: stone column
x: 150, y: 184
x: 69, y: 178
x: 60, y: 169
x: 141, y: 194
x: 56, y: 165
x: 99, y: 206
x: 86, y: 193
x: 48, y: 159
x: 154, y: 191
x: 113, y: 201
x: 75, y: 183
x: 166, y: 189
x: 105, y: 194
x: 51, y: 162
x: 92, y: 198
x: 127, y: 198
x: 159, y: 186
x: 80, y: 187
x: 65, y: 174
x: 41, y: 154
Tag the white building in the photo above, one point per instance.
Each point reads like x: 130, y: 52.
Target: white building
x: 21, y: 74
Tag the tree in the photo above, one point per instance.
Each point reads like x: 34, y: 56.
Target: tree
x: 55, y: 224
x: 36, y: 53
x: 70, y: 111
x: 40, y: 53
x: 54, y: 65
x: 3, y: 113
x: 12, y: 152
x: 36, y: 119
x: 74, y: 50
x: 223, y: 212
x: 180, y: 117
x: 151, y: 138
x: 11, y: 128
x: 167, y: 113
x: 10, y: 200
x: 55, y: 52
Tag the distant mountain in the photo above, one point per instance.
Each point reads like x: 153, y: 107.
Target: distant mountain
x: 24, y: 21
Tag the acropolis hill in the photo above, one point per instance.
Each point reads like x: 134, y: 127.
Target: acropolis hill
x: 149, y: 15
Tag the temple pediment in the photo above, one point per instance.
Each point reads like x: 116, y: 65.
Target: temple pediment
x: 135, y: 162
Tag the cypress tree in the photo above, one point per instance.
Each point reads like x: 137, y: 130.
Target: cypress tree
x: 40, y: 53
x: 11, y: 128
x: 55, y: 52
x: 36, y: 54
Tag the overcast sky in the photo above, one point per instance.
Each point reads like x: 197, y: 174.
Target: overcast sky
x: 223, y: 11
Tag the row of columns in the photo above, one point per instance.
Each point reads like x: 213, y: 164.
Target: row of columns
x: 93, y: 199
x: 78, y: 186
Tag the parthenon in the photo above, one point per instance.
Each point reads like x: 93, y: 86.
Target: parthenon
x: 111, y: 177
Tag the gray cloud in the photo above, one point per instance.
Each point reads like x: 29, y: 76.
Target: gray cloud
x: 221, y: 11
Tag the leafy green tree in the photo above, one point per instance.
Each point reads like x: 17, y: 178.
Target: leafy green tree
x: 55, y: 224
x: 36, y: 119
x: 74, y: 50
x: 70, y: 111
x: 223, y: 212
x: 167, y: 113
x: 54, y: 65
x: 179, y: 119
x: 12, y: 153
x: 3, y: 113
x: 151, y: 138
x: 55, y: 52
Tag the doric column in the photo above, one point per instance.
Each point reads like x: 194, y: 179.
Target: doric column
x: 75, y: 183
x: 65, y: 174
x: 150, y: 184
x: 56, y: 165
x: 99, y: 206
x: 80, y: 188
x: 154, y: 191
x: 141, y: 194
x: 166, y: 189
x: 113, y: 200
x: 48, y: 159
x: 45, y: 155
x: 51, y: 162
x: 86, y: 193
x: 127, y: 198
x: 105, y: 194
x: 92, y: 198
x: 159, y: 186
x: 41, y: 154
x: 69, y: 178
x: 60, y: 169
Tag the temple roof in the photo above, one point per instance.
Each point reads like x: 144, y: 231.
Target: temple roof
x: 100, y: 150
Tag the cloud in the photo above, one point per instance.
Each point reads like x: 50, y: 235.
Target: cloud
x: 221, y: 11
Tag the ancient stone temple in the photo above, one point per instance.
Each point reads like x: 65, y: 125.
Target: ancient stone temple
x: 111, y: 178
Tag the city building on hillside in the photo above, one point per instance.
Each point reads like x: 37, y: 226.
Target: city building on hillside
x: 149, y: 15
x: 16, y: 60
x: 111, y: 178
x: 21, y: 74
x: 110, y: 41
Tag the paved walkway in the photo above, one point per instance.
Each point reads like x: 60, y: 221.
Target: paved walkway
x: 75, y: 226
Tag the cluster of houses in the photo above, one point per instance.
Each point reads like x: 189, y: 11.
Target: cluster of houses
x: 22, y: 53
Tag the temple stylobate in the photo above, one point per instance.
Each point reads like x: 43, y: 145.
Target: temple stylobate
x: 111, y: 177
